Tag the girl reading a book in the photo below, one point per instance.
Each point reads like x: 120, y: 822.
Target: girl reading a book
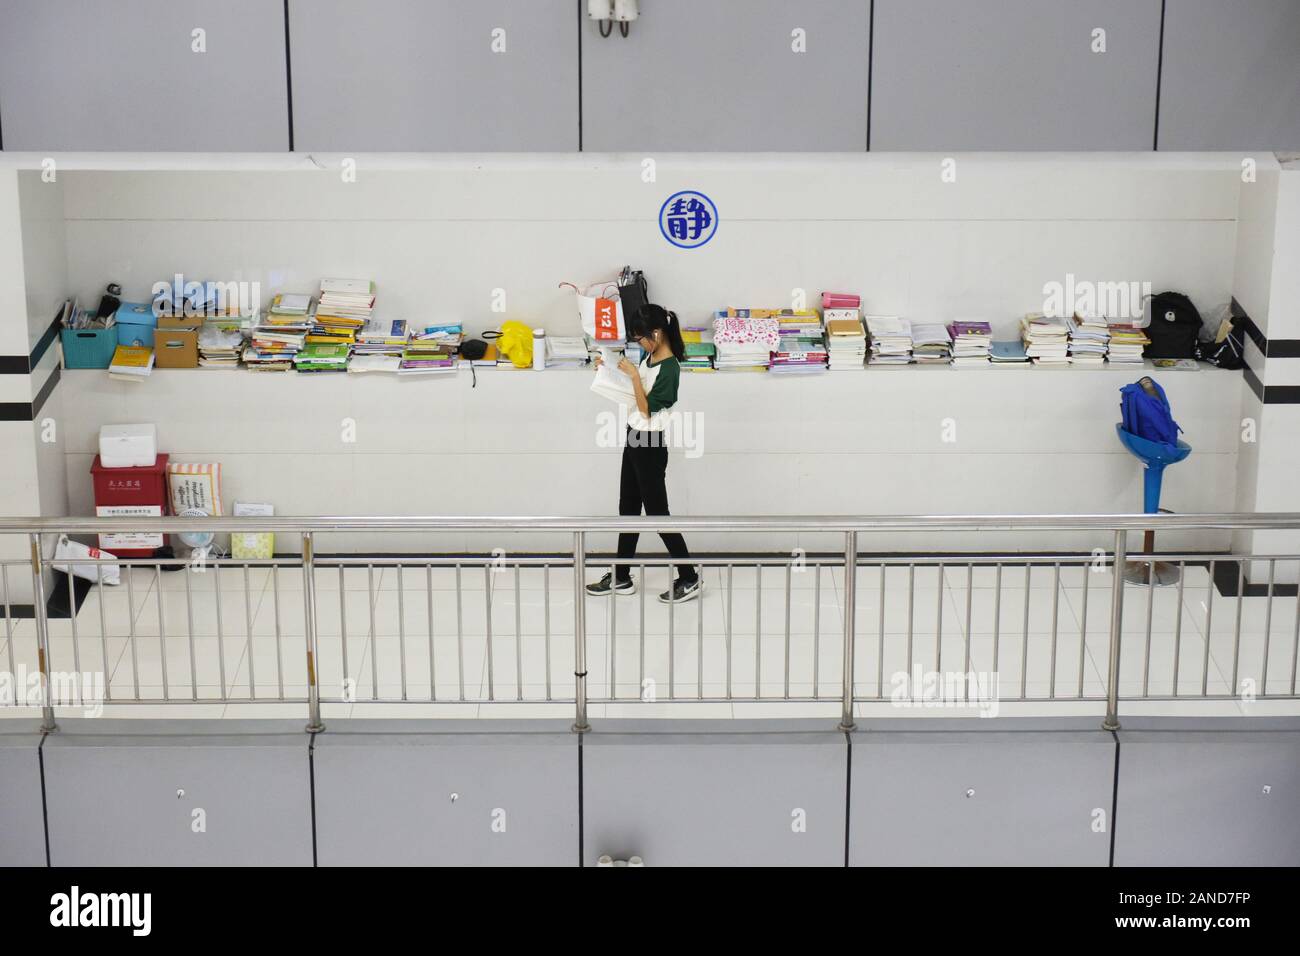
x: 645, y: 453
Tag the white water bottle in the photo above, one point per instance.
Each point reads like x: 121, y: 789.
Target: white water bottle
x: 539, y: 349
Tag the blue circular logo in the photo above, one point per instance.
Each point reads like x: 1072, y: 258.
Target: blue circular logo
x: 688, y: 219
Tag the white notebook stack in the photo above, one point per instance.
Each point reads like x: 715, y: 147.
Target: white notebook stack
x: 1046, y: 339
x: 891, y: 340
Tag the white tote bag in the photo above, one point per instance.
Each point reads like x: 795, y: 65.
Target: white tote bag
x: 68, y: 551
x: 601, y: 312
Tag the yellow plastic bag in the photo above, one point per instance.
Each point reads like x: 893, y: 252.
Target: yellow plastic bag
x: 516, y: 343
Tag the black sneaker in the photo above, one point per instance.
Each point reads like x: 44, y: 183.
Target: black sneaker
x: 682, y: 591
x: 603, y: 587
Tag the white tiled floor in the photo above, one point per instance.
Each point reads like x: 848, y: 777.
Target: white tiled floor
x: 188, y: 636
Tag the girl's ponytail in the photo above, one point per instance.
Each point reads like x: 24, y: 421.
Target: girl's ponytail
x: 674, y: 334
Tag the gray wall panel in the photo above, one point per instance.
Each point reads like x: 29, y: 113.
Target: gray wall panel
x: 421, y: 75
x: 385, y: 798
x: 1014, y: 74
x: 22, y: 822
x: 1196, y: 798
x: 90, y: 75
x: 721, y: 76
x: 1034, y: 804
x: 679, y: 795
x: 111, y: 790
x: 1231, y: 75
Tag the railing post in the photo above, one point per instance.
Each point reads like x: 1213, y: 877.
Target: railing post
x: 1111, y: 721
x: 43, y: 634
x: 850, y: 608
x: 314, y: 724
x: 580, y: 725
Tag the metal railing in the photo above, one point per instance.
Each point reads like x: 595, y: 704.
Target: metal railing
x: 850, y: 627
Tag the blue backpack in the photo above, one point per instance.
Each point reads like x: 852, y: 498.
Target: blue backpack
x: 1146, y: 415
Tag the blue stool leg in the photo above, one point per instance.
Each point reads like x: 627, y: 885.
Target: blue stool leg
x: 1151, y: 480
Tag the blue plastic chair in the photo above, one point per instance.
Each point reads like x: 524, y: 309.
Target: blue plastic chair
x: 1155, y: 455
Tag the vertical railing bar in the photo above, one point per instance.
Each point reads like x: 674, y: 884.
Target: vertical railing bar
x: 938, y: 627
x: 519, y: 644
x: 343, y: 630
x: 279, y: 640
x: 611, y: 621
x: 880, y: 638
x: 72, y: 618
x: 1083, y: 626
x: 400, y: 571
x: 1111, y: 720
x: 699, y: 640
x: 580, y: 724
x: 487, y: 604
x: 911, y: 608
x: 1151, y: 602
x: 817, y: 631
x: 248, y: 629
x: 1178, y: 624
x: 9, y: 624
x: 373, y: 636
x: 788, y: 573
x: 129, y: 572
x: 1236, y: 631
x: 1024, y: 631
x: 37, y: 557
x: 672, y: 650
x: 997, y: 617
x: 103, y: 628
x: 758, y: 632
x: 460, y: 640
x: 641, y: 626
x: 1056, y: 609
x: 1268, y: 627
x: 727, y: 625
x: 546, y: 626
x: 314, y: 723
x: 162, y: 628
x: 1295, y: 634
x: 189, y: 629
x: 428, y: 602
x: 850, y: 625
x: 970, y: 590
x: 1209, y: 607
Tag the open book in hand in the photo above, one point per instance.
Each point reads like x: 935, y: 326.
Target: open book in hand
x: 613, y: 384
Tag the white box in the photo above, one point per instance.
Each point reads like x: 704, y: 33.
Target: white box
x: 128, y: 446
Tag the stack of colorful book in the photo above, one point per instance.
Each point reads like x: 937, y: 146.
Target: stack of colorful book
x: 931, y: 344
x: 891, y: 340
x: 322, y: 357
x: 971, y: 343
x: 745, y: 339
x: 1046, y: 339
x: 219, y: 348
x: 1009, y: 354
x: 1089, y: 336
x: 343, y: 309
x: 846, y: 342
x: 427, y: 357
x: 700, y: 350
x: 380, y: 337
x: 801, y: 347
x: 131, y: 363
x: 1126, y: 343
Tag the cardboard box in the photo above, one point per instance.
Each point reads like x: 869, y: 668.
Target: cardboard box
x: 176, y: 342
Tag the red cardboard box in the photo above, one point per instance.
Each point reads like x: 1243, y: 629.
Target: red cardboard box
x: 131, y: 491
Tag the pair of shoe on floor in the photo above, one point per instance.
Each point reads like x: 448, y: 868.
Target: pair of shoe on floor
x: 680, y: 592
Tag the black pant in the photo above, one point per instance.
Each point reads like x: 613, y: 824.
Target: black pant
x: 641, y: 485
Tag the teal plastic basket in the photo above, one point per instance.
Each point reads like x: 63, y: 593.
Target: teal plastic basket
x: 88, y: 348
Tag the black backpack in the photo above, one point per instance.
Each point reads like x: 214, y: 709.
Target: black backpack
x: 1174, y: 328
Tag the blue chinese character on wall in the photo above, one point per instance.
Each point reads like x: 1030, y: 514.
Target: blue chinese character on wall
x: 688, y: 219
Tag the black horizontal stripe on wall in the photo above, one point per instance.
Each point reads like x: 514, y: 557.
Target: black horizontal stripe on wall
x: 26, y: 364
x: 27, y: 411
x: 1269, y: 348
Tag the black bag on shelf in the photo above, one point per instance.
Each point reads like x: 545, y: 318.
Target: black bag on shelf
x: 633, y: 293
x: 1174, y: 328
x: 1228, y: 351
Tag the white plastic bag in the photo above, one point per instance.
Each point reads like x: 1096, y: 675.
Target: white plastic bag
x: 67, y: 550
x: 601, y: 312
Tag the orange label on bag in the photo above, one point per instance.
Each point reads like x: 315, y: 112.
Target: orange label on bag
x: 606, y: 319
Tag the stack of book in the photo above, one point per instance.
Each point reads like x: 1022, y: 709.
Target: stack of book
x: 131, y: 363
x: 1046, y: 339
x: 447, y: 335
x: 382, y: 337
x: 931, y: 344
x: 971, y: 343
x: 1009, y: 354
x: 272, y: 348
x: 801, y: 343
x: 427, y: 357
x: 745, y: 339
x: 1126, y: 343
x: 700, y: 350
x: 1088, y: 338
x: 565, y: 351
x: 219, y: 348
x: 322, y: 357
x: 891, y: 340
x: 846, y: 342
x: 343, y: 309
